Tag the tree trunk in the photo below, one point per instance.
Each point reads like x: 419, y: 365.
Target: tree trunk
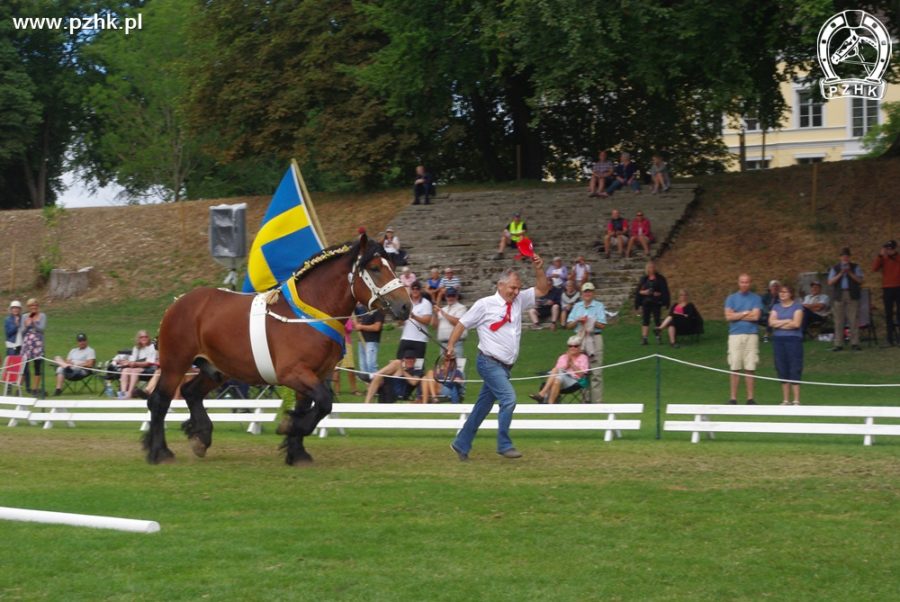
x: 482, y: 132
x: 525, y: 135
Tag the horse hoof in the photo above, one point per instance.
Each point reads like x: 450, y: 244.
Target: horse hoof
x: 198, y: 447
x: 162, y: 456
x: 302, y: 462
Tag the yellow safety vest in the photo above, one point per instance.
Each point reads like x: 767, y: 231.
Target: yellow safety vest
x: 515, y: 230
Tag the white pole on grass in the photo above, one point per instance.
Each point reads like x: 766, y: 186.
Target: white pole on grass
x: 79, y: 520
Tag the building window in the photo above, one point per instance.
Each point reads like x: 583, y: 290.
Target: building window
x: 865, y: 115
x: 808, y: 160
x: 751, y: 124
x: 754, y: 164
x: 810, y: 110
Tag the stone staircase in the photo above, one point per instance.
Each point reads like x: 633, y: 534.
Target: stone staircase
x: 463, y: 229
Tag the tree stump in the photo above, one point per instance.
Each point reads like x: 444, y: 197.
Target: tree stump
x: 66, y: 283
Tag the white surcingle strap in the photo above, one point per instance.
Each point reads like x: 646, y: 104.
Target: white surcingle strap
x: 259, y: 342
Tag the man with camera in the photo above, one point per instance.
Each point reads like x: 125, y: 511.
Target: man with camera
x: 846, y: 280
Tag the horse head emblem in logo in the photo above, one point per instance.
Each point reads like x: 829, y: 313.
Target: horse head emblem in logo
x: 860, y: 45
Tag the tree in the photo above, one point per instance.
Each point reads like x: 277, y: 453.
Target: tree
x: 136, y: 134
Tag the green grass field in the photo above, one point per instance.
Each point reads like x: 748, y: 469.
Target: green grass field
x: 394, y: 516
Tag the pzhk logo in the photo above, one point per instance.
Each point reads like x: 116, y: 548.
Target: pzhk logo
x: 858, y: 44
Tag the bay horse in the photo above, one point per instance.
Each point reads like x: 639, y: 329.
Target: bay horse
x: 210, y: 328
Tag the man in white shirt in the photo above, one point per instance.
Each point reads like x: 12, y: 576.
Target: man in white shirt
x: 447, y: 318
x: 815, y: 306
x: 498, y: 321
x: 73, y: 367
x: 415, y: 329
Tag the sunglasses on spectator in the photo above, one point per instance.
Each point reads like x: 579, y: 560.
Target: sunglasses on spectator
x: 570, y: 346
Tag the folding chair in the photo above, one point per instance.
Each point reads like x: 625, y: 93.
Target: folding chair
x: 83, y: 384
x: 580, y: 392
x: 13, y: 372
x: 866, y: 321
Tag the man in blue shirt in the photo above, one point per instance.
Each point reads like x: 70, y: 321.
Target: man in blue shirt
x: 742, y: 311
x: 588, y: 318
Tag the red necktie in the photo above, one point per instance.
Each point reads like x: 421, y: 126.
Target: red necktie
x: 496, y: 325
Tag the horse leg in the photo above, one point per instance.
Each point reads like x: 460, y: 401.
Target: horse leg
x: 302, y: 420
x: 154, y: 441
x: 199, y: 427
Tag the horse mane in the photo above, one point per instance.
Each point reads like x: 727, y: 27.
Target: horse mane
x: 339, y: 250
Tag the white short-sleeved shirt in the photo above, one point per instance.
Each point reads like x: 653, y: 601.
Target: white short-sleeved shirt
x: 77, y: 354
x: 457, y: 310
x: 144, y: 354
x: 501, y: 344
x: 416, y: 331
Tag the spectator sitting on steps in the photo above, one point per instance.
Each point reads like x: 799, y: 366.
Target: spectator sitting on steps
x: 581, y: 271
x: 433, y: 284
x: 546, y: 307
x: 570, y: 296
x: 601, y: 176
x: 640, y: 233
x: 624, y: 175
x: 450, y: 280
x: 616, y: 229
x: 512, y: 234
x: 659, y: 175
x: 391, y: 246
x: 557, y: 273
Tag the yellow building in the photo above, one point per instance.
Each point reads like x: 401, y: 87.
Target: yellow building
x: 812, y: 130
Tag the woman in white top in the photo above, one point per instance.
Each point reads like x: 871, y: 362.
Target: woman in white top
x: 142, y: 361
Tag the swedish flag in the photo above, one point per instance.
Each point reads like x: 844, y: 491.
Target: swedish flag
x: 289, y: 235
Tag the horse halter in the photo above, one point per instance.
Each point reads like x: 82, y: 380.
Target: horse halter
x: 377, y: 292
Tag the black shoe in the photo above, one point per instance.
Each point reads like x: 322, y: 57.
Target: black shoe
x: 674, y: 345
x: 537, y: 397
x: 427, y: 202
x: 750, y: 402
x: 416, y: 202
x: 463, y: 457
x: 855, y: 347
x: 732, y: 402
x: 141, y: 393
x: 57, y: 392
x: 644, y: 341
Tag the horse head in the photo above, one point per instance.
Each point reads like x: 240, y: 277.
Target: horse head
x: 374, y: 283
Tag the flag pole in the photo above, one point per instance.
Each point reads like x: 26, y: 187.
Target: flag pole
x: 307, y: 200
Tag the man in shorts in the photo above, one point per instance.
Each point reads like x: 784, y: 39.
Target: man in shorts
x: 742, y: 311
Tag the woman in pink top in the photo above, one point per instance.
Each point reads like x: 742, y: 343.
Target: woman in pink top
x: 570, y: 367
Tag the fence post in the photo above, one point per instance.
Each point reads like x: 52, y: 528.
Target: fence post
x: 658, y: 402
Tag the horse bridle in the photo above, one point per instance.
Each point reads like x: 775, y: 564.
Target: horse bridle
x: 377, y: 292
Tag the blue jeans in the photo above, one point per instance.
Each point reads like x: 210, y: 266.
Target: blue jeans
x: 496, y: 387
x: 616, y: 184
x: 368, y: 356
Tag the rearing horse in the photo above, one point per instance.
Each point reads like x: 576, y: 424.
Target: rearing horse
x: 211, y: 329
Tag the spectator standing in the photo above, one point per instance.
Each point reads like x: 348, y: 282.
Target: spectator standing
x: 570, y: 367
x: 570, y: 296
x: 13, y: 326
x: 769, y: 299
x: 446, y: 320
x: 498, y: 320
x: 815, y: 306
x: 888, y: 263
x: 33, y: 326
x: 684, y: 319
x: 742, y: 311
x: 369, y: 325
x: 659, y: 175
x: 845, y: 278
x: 786, y: 320
x: 346, y: 362
x: 588, y: 318
x: 625, y: 175
x: 601, y: 176
x: 423, y: 185
x: 73, y: 367
x: 652, y: 296
x: 581, y: 272
x: 415, y: 329
x: 142, y: 362
x: 616, y: 229
x: 512, y: 234
x: 640, y: 233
